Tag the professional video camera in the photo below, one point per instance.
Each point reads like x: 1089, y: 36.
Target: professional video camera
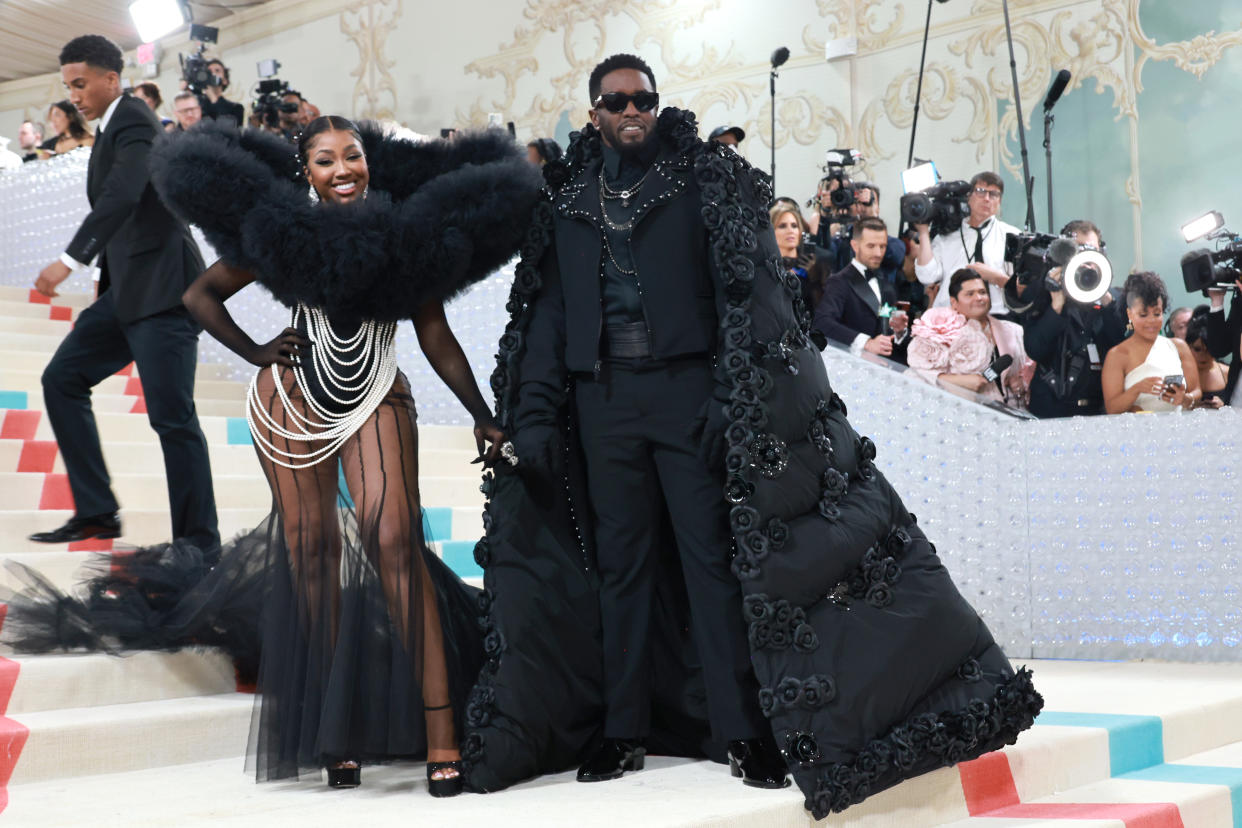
x: 1203, y: 268
x: 1086, y: 272
x: 269, y: 103
x: 927, y: 200
x: 835, y: 162
x: 194, y: 69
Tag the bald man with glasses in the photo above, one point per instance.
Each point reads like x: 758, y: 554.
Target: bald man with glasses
x: 978, y: 244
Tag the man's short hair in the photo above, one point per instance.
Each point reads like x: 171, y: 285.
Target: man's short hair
x: 292, y: 92
x: 183, y: 94
x: 989, y: 178
x: 151, y: 90
x: 612, y: 64
x: 875, y: 190
x: 36, y: 126
x: 1081, y: 227
x: 870, y: 223
x: 95, y: 51
x: 961, y: 277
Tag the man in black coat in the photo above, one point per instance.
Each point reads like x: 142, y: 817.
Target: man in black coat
x: 630, y: 311
x: 1225, y: 337
x: 147, y: 258
x: 858, y: 302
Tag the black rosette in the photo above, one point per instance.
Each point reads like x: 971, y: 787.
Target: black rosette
x: 804, y: 638
x: 756, y: 608
x: 769, y: 455
x: 483, y: 553
x: 743, y: 519
x: 778, y: 533
x: 789, y: 692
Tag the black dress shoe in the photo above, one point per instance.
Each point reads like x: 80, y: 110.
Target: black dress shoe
x: 758, y: 762
x: 82, y: 528
x: 611, y: 759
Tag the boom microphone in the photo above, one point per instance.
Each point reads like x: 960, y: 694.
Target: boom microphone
x: 1057, y: 89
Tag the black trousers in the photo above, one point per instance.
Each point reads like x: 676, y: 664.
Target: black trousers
x: 165, y: 349
x: 636, y: 431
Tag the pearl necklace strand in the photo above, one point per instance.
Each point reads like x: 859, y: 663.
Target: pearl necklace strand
x: 330, y: 366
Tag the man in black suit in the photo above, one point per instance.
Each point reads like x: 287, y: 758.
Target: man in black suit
x: 858, y: 305
x: 1225, y: 338
x: 630, y: 311
x: 147, y: 259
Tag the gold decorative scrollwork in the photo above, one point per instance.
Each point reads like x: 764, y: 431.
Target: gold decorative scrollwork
x: 368, y: 23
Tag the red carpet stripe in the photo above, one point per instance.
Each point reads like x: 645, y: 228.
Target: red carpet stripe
x: 990, y: 791
x: 56, y: 493
x: 36, y: 298
x: 133, y: 386
x: 13, y: 734
x: 37, y: 456
x: 20, y: 425
x: 60, y: 313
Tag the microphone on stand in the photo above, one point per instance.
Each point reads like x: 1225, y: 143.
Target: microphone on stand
x: 780, y: 56
x: 1057, y: 89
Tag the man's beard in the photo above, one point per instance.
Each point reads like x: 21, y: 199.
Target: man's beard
x: 631, y: 151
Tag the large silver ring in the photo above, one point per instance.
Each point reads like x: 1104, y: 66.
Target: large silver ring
x: 507, y: 452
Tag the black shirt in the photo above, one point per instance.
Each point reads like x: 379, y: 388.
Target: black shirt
x: 223, y: 108
x: 620, y: 281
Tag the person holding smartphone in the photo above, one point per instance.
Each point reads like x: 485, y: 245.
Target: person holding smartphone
x: 1149, y: 372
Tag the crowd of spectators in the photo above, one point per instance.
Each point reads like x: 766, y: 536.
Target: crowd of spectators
x: 949, y: 307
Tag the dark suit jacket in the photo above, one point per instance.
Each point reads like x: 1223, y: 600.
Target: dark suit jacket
x: 849, y: 308
x: 1225, y: 338
x: 147, y: 256
x: 669, y: 247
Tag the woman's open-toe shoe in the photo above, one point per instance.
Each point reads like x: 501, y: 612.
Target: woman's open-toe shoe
x: 449, y: 786
x: 345, y: 775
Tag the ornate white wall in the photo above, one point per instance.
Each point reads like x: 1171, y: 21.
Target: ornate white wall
x: 1143, y: 142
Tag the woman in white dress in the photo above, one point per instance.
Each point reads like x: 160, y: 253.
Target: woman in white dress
x: 1148, y: 372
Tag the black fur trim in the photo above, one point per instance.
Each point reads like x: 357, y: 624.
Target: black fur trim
x: 438, y: 217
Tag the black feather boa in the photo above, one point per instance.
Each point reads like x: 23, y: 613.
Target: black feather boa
x: 438, y: 217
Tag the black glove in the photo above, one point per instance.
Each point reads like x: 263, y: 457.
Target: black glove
x: 539, y: 451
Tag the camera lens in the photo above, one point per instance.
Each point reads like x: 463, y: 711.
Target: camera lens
x: 1087, y: 278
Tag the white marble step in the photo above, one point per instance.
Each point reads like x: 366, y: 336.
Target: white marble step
x: 16, y: 379
x: 81, y: 741
x: 18, y: 293
x: 73, y: 680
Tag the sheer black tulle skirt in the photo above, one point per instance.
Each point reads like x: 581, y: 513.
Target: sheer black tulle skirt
x: 350, y: 625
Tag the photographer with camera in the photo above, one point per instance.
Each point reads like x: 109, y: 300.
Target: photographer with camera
x: 215, y: 105
x: 1070, y: 340
x: 857, y: 307
x: 977, y: 243
x: 1224, y: 338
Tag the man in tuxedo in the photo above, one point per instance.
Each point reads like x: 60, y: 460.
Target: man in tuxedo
x: 147, y: 259
x: 850, y: 310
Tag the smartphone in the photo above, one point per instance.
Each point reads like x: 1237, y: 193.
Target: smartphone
x: 1174, y: 379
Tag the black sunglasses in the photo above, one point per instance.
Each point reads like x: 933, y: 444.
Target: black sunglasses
x: 616, y: 102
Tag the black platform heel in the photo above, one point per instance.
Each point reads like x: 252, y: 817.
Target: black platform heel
x: 451, y: 786
x: 345, y: 777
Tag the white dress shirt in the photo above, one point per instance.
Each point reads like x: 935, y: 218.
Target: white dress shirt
x: 70, y: 262
x: 953, y: 251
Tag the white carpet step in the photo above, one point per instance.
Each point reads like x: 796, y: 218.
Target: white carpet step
x: 53, y: 682
x: 65, y: 569
x: 141, y: 526
x: 122, y: 403
x: 134, y: 428
x: 81, y: 741
x: 22, y: 294
x: 21, y: 491
x: 33, y: 354
x: 141, y: 458
x: 28, y: 326
x: 10, y: 310
x: 30, y: 380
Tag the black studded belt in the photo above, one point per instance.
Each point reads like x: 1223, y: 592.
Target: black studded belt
x: 627, y: 341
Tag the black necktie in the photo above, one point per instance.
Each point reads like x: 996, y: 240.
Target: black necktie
x: 978, y: 243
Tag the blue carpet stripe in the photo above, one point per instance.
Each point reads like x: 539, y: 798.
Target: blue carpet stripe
x: 239, y: 432
x: 15, y: 400
x: 459, y: 556
x: 1230, y: 778
x: 1134, y: 742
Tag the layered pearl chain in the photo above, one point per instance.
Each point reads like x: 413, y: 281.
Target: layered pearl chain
x: 373, y: 370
